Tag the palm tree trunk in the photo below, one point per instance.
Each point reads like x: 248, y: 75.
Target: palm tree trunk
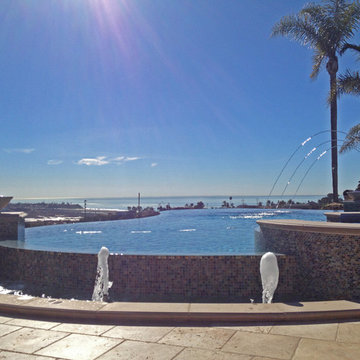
x: 332, y: 67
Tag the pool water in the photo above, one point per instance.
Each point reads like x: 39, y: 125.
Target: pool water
x: 177, y: 232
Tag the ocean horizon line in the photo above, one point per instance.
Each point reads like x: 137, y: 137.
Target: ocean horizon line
x: 166, y: 196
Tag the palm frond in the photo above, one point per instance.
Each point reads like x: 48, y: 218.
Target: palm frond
x: 349, y: 83
x: 318, y: 60
x: 348, y: 46
x: 352, y: 140
x: 297, y: 28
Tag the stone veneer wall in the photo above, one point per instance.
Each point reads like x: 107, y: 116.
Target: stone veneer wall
x: 328, y: 258
x: 12, y: 226
x: 146, y: 277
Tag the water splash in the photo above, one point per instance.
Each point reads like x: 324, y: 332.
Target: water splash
x: 102, y: 283
x: 296, y: 150
x: 269, y: 271
x: 308, y: 170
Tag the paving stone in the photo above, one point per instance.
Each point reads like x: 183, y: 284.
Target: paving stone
x: 15, y: 300
x: 87, y: 329
x: 136, y: 350
x: 64, y: 304
x: 250, y: 328
x: 141, y: 333
x: 6, y: 355
x: 326, y: 350
x: 267, y: 345
x: 313, y: 331
x: 145, y: 307
x: 29, y: 340
x: 79, y: 347
x: 7, y: 329
x: 4, y: 319
x: 349, y: 332
x: 33, y: 323
x: 201, y: 337
x: 200, y: 354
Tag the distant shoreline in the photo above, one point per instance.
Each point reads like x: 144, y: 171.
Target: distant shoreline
x: 41, y: 214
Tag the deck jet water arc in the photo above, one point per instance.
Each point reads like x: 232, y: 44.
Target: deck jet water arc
x: 102, y: 283
x: 269, y: 271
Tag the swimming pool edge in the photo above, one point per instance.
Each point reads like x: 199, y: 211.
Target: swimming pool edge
x: 177, y: 313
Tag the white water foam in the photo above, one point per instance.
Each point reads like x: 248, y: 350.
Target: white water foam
x: 88, y: 232
x: 187, y: 230
x: 259, y: 215
x: 141, y: 231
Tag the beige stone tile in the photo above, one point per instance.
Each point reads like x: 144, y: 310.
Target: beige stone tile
x: 6, y: 355
x: 29, y: 340
x: 146, y: 307
x: 273, y: 346
x: 326, y: 350
x: 200, y: 354
x: 349, y: 332
x: 79, y: 347
x: 201, y: 337
x: 7, y: 329
x: 136, y: 350
x: 4, y: 319
x: 15, y: 300
x: 261, y: 358
x: 250, y: 328
x: 313, y: 331
x: 141, y: 333
x: 33, y: 323
x: 66, y: 304
x: 87, y: 329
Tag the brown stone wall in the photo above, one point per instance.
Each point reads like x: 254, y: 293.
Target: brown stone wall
x: 146, y: 278
x: 328, y: 262
x: 12, y: 227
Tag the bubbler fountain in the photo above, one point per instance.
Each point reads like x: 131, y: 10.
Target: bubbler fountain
x: 102, y: 283
x: 269, y: 271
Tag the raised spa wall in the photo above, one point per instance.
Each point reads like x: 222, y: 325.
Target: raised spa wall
x: 12, y: 226
x: 327, y: 256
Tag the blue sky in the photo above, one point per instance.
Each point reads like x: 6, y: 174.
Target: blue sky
x: 111, y: 98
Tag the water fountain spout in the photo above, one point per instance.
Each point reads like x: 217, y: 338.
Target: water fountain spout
x: 102, y: 283
x: 269, y: 271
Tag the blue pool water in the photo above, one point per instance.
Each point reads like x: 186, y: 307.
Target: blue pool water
x: 181, y: 232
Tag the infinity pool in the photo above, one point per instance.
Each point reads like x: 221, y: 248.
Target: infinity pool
x: 181, y: 232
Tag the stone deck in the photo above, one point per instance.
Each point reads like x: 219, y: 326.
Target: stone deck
x: 32, y: 338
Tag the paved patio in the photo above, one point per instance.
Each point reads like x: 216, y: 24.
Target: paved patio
x: 44, y: 328
x: 41, y: 340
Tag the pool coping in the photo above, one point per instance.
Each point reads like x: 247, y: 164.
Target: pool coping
x: 312, y: 226
x: 182, y: 313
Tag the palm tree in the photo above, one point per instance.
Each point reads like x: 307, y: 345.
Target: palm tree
x: 325, y: 29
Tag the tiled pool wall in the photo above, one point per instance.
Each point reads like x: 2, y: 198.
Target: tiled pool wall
x: 146, y: 277
x: 318, y: 263
x: 328, y: 259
